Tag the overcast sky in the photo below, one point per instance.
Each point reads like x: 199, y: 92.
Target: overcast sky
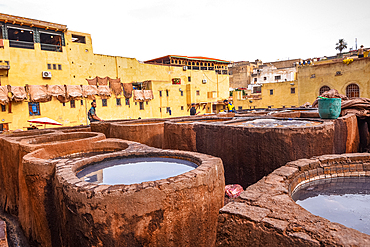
x: 233, y: 30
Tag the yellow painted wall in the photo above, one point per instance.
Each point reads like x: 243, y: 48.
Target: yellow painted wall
x: 357, y: 72
x: 281, y: 97
x: 79, y: 63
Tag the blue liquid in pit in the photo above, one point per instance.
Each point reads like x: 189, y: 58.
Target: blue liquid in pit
x: 343, y: 200
x: 134, y: 170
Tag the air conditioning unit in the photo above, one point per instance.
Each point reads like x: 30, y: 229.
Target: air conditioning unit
x: 184, y: 68
x: 204, y: 81
x: 46, y: 74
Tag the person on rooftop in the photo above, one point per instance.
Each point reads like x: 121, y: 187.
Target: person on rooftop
x: 193, y: 111
x: 92, y: 113
x: 229, y: 106
x: 361, y: 51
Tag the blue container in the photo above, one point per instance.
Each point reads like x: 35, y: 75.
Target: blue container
x: 330, y: 107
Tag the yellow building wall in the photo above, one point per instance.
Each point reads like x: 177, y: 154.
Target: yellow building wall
x: 357, y: 72
x: 282, y: 96
x: 79, y: 63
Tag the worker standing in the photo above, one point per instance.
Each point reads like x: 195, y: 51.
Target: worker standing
x: 229, y: 106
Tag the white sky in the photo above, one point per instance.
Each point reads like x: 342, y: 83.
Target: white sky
x: 233, y: 30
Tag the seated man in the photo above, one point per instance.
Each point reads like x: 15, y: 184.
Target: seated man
x: 92, y: 113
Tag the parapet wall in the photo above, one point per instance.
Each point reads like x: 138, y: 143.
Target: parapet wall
x: 266, y: 214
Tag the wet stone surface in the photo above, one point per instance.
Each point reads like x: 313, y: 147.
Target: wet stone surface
x: 273, y: 123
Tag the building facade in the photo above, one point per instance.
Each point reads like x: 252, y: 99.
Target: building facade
x: 34, y: 52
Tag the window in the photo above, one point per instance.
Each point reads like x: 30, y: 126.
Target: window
x: 265, y: 78
x: 147, y: 102
x: 20, y: 38
x: 313, y: 76
x: 255, y: 79
x: 256, y: 89
x: 160, y: 93
x: 78, y: 39
x: 49, y: 66
x: 168, y: 110
x: 141, y: 105
x: 197, y: 92
x: 182, y: 108
x: 278, y: 77
x: 54, y: 66
x: 34, y: 108
x: 50, y: 41
x: 104, y: 102
x: 271, y: 91
x: 338, y: 73
x: 189, y: 78
x: 73, y: 104
x: 167, y: 93
x: 3, y: 108
x: 127, y: 102
x: 323, y: 89
x: 82, y: 102
x: 352, y: 91
x: 182, y: 93
x: 59, y: 67
x: 118, y: 102
x: 292, y: 90
x: 240, y: 108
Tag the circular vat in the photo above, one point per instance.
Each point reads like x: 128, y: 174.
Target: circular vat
x: 335, y: 189
x: 172, y: 209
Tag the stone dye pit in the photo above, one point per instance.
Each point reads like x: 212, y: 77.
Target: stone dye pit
x: 267, y: 215
x: 134, y: 170
x: 251, y: 152
x: 345, y: 200
x: 55, y: 208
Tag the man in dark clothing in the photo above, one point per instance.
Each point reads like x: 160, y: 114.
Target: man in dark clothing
x: 92, y: 113
x: 193, y: 111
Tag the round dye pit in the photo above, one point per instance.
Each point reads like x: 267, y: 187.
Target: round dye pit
x: 342, y: 200
x: 275, y: 123
x: 134, y: 170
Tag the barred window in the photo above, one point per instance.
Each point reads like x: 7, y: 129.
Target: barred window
x: 323, y: 89
x: 352, y: 91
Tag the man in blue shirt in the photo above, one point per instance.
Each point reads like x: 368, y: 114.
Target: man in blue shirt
x: 92, y: 113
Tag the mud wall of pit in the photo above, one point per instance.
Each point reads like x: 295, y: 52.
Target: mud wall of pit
x: 250, y: 153
x: 177, y: 211
x: 181, y: 135
x: 15, y: 185
x: 146, y: 132
x: 10, y: 161
x: 266, y: 214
